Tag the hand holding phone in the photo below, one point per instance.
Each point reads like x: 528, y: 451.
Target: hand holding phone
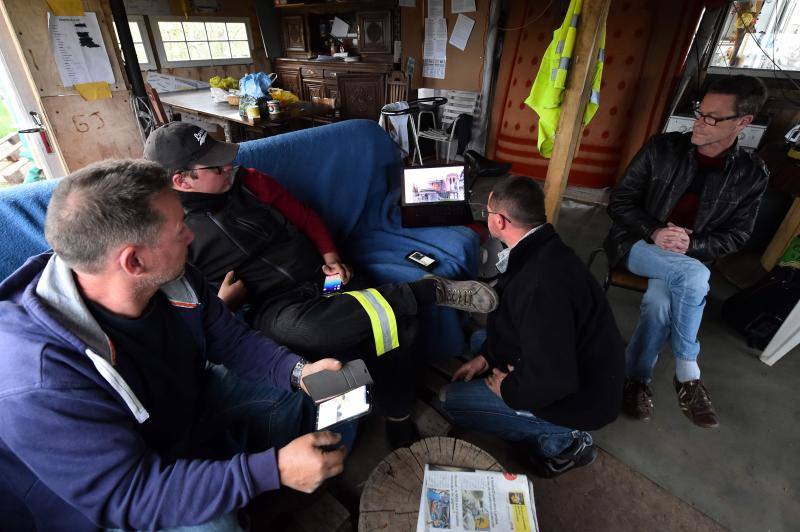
x: 325, y: 384
x: 332, y: 284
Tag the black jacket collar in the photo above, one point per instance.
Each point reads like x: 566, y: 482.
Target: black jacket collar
x: 528, y: 246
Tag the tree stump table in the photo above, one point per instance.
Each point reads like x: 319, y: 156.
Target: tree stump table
x: 391, y: 495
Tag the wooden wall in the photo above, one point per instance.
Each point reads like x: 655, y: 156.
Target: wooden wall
x: 85, y: 131
x: 464, y: 69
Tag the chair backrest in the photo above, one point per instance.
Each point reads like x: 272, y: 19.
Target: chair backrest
x: 155, y: 102
x: 459, y: 102
x: 396, y: 87
x: 361, y: 95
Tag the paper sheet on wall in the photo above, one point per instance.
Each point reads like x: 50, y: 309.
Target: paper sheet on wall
x: 435, y: 8
x: 147, y: 7
x: 340, y: 27
x: 462, y: 6
x: 79, y: 50
x: 167, y: 83
x: 461, y: 32
x: 435, y: 46
x: 434, y: 68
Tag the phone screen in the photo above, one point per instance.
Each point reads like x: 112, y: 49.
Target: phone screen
x: 343, y: 407
x: 333, y: 283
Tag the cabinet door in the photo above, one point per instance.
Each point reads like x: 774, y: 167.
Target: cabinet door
x: 330, y: 90
x: 361, y: 95
x: 289, y: 80
x: 312, y: 88
x: 375, y: 32
x: 294, y: 35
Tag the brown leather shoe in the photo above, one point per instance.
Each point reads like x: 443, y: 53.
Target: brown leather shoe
x: 637, y: 400
x: 696, y: 404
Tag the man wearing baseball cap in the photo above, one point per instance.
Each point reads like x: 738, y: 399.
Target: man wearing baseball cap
x: 249, y: 226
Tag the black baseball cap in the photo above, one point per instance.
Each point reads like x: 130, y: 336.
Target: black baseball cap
x: 179, y: 145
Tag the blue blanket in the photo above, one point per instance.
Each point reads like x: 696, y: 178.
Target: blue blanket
x: 22, y: 212
x: 349, y: 172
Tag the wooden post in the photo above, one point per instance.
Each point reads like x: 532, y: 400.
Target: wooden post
x: 783, y: 236
x: 576, y: 96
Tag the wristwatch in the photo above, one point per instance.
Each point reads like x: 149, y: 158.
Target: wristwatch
x: 297, y: 372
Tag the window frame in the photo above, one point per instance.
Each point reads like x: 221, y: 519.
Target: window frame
x: 772, y: 71
x: 166, y: 63
x: 144, y: 31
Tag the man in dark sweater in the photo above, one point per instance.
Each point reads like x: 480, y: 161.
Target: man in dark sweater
x: 246, y: 222
x: 553, y: 347
x: 685, y: 199
x: 130, y: 397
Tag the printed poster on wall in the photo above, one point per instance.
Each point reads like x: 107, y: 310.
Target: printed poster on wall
x: 79, y: 50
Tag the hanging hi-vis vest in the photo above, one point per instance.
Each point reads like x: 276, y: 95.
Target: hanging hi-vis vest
x: 381, y: 317
x: 551, y: 80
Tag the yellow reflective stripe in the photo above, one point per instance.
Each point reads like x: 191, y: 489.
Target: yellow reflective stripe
x: 381, y: 317
x: 388, y: 319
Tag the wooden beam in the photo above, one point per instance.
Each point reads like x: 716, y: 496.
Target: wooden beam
x: 790, y: 227
x: 576, y: 96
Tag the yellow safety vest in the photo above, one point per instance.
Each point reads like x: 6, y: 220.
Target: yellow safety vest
x: 381, y: 317
x: 548, y: 87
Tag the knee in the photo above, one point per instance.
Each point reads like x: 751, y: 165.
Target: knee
x: 693, y: 277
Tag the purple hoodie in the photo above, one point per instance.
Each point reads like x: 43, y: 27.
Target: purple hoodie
x: 71, y: 455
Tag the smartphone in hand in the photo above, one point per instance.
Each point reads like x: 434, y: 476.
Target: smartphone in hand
x: 343, y: 408
x: 332, y: 284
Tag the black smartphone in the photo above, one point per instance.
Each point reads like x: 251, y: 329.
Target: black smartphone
x: 342, y: 408
x: 422, y: 260
x: 325, y: 384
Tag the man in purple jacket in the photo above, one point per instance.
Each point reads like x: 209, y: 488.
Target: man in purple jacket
x: 130, y: 397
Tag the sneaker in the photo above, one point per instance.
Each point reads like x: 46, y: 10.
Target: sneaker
x: 401, y: 433
x: 637, y: 400
x: 696, y: 404
x: 470, y: 296
x: 578, y: 454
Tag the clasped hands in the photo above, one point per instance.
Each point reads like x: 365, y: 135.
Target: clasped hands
x: 672, y: 238
x: 478, y: 365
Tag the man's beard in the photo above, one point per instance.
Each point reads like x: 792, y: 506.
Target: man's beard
x: 157, y: 281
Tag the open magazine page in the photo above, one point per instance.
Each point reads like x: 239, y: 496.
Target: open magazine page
x: 456, y: 500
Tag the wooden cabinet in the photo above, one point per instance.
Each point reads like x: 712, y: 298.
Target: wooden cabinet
x: 289, y: 79
x: 375, y: 32
x: 296, y: 36
x: 362, y: 85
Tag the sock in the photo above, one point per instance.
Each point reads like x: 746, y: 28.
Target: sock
x: 424, y: 291
x: 686, y: 370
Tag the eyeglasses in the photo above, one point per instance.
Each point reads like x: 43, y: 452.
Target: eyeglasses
x: 486, y: 212
x: 217, y: 169
x: 710, y: 120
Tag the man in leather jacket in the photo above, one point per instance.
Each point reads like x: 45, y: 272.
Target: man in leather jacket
x: 685, y: 199
x: 247, y: 223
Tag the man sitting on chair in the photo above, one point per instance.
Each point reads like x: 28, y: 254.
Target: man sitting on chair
x: 685, y: 199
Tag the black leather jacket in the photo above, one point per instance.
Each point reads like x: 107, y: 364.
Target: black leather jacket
x: 657, y: 178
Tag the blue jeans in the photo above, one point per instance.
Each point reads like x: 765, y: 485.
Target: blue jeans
x: 672, y: 308
x: 243, y: 416
x: 472, y: 404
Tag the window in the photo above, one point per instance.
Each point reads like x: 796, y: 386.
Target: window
x: 141, y: 42
x: 756, y: 33
x: 199, y: 41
